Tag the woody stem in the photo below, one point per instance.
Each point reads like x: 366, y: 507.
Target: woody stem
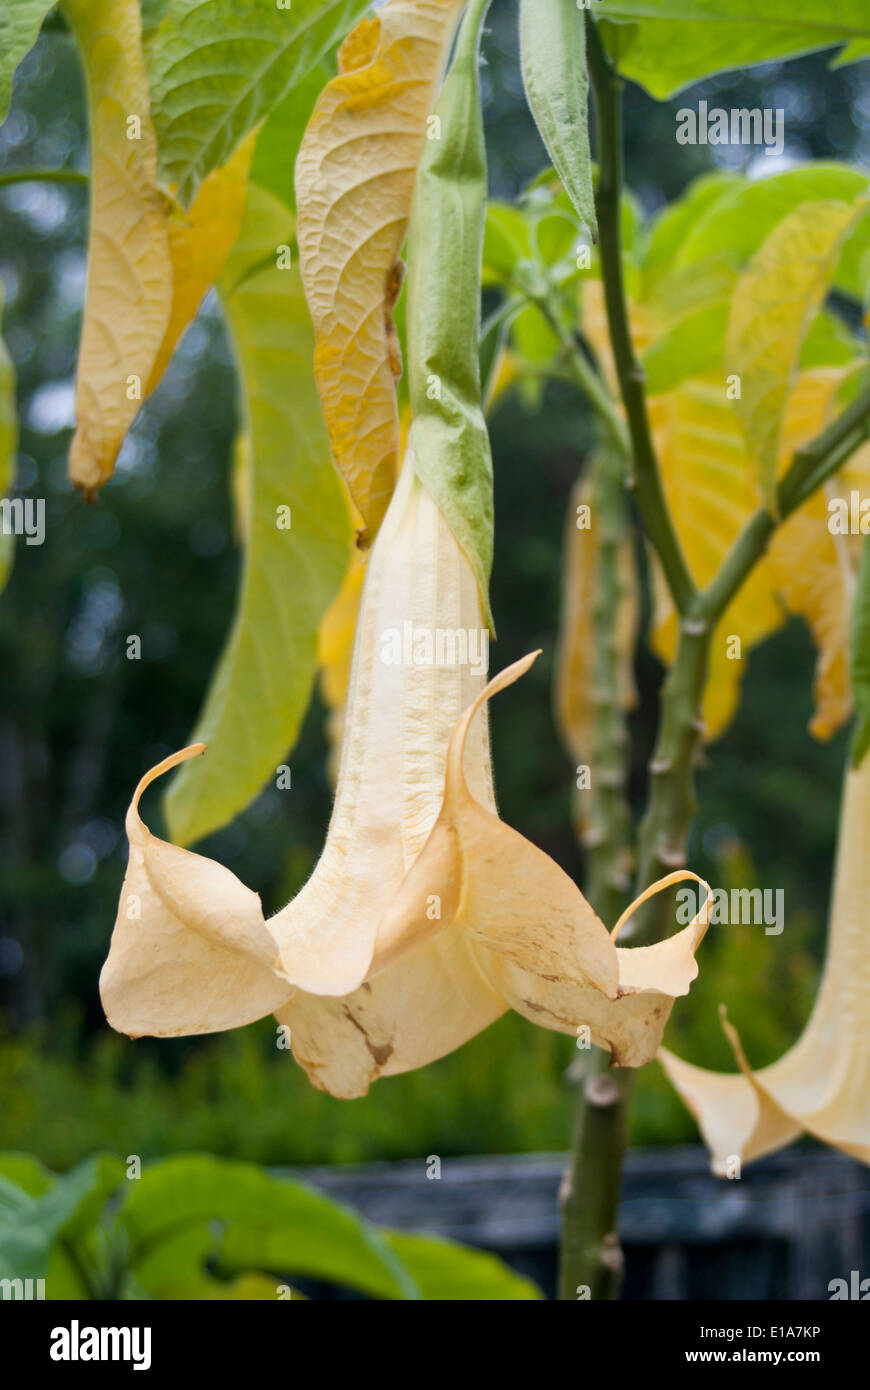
x: 591, y: 1260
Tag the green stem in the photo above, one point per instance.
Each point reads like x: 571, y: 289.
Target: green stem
x: 11, y: 176
x: 646, y: 477
x: 591, y: 1259
x: 671, y: 803
x: 580, y: 370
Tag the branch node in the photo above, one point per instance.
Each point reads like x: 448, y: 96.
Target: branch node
x: 602, y: 1090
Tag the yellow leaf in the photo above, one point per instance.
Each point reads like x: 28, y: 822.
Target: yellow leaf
x: 774, y: 302
x: 129, y: 290
x: 711, y: 493
x: 354, y: 183
x: 813, y: 568
x: 199, y: 242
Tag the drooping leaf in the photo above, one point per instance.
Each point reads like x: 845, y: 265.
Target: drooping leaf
x: 218, y: 68
x: 448, y: 436
x: 668, y: 44
x: 20, y: 23
x: 354, y: 185
x: 199, y: 243
x: 294, y: 558
x: 773, y: 305
x: 127, y: 304
x: 553, y: 52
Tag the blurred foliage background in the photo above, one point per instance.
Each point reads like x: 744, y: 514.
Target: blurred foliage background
x: 157, y: 557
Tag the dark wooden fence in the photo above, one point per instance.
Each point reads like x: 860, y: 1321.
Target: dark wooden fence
x: 789, y: 1226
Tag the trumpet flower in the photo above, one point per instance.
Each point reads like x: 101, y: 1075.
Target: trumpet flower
x: 426, y: 917
x: 822, y: 1084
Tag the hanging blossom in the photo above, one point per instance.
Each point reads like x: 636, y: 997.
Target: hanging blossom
x: 426, y: 917
x: 822, y: 1084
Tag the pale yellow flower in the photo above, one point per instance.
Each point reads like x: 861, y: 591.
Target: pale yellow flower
x: 426, y: 916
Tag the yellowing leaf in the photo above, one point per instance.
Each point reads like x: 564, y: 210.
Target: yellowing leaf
x: 129, y: 291
x: 774, y: 302
x: 199, y: 242
x: 711, y: 492
x: 354, y: 183
x: 814, y: 567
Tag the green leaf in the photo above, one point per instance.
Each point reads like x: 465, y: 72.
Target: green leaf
x: 553, y: 56
x: 30, y: 1226
x: 690, y: 348
x: 677, y: 220
x: 447, y: 1271
x: 20, y: 23
x: 505, y: 242
x: 859, y: 665
x: 219, y: 67
x: 734, y: 226
x: 852, y: 53
x: 279, y: 139
x: 667, y: 44
x: 269, y: 1224
x: 26, y: 1172
x: 448, y: 435
x: 263, y: 681
x: 774, y: 302
x: 533, y: 337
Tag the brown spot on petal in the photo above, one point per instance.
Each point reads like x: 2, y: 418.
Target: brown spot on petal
x: 381, y: 1052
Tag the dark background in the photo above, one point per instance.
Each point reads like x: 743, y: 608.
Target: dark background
x: 156, y: 556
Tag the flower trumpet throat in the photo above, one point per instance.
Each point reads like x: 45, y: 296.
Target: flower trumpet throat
x: 426, y: 916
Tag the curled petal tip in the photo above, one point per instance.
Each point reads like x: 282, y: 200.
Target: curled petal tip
x: 193, y: 750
